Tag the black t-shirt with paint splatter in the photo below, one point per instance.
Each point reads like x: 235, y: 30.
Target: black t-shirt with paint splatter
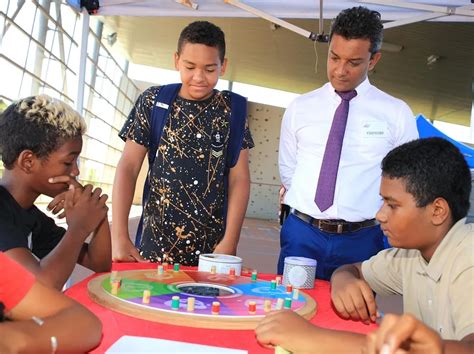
x: 184, y: 215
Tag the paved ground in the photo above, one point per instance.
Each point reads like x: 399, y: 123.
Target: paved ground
x: 259, y: 245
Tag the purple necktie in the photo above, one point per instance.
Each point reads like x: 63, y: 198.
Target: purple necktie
x: 328, y: 174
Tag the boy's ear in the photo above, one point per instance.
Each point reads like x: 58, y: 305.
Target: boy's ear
x: 440, y: 211
x: 223, y: 67
x: 26, y: 161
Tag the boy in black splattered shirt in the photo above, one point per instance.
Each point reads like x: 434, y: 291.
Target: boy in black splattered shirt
x: 184, y: 215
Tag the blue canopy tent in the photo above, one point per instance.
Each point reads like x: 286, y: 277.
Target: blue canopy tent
x: 426, y: 130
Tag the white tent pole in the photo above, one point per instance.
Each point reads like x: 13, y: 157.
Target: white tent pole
x: 445, y: 10
x: 82, y: 62
x: 2, y: 26
x: 321, y: 17
x: 472, y: 110
x: 272, y: 19
x: 413, y: 19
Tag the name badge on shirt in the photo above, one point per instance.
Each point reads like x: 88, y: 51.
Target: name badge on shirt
x: 372, y: 130
x: 162, y: 105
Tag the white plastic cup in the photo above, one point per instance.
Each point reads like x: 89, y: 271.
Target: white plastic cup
x: 222, y: 262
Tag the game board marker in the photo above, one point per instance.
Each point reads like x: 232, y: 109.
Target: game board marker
x: 190, y: 304
x: 175, y: 302
x: 115, y: 287
x: 113, y: 276
x: 279, y: 304
x: 296, y: 294
x: 216, y: 306
x: 252, y: 307
x: 287, y: 303
x: 146, y: 296
x: 160, y: 270
x: 267, y: 305
x: 232, y: 272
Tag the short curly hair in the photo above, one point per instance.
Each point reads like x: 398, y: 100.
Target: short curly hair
x: 432, y: 168
x: 203, y: 32
x: 359, y: 23
x: 37, y: 123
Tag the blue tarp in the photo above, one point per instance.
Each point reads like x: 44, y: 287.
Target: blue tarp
x: 427, y: 130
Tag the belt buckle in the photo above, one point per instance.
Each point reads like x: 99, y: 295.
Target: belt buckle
x: 323, y: 223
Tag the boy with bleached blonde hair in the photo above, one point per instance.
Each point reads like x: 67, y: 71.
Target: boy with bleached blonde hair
x: 40, y: 142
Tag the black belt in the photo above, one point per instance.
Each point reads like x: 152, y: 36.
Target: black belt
x: 335, y: 226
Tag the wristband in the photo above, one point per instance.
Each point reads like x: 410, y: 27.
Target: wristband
x: 53, y: 339
x: 54, y: 344
x: 37, y: 320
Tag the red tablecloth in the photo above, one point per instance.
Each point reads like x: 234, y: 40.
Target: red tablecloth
x: 116, y: 324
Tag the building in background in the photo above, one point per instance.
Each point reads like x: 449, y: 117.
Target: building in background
x: 40, y: 52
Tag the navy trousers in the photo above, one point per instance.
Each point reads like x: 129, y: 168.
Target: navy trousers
x: 331, y: 250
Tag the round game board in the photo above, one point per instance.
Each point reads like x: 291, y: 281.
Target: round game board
x: 233, y: 292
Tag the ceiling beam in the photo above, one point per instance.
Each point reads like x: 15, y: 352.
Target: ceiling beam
x: 188, y: 3
x: 413, y: 19
x: 272, y: 19
x: 445, y: 10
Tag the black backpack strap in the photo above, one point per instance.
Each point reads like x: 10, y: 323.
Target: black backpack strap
x: 238, y: 116
x: 159, y: 116
x: 237, y: 128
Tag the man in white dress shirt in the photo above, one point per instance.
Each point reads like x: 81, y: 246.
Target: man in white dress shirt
x: 342, y: 229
